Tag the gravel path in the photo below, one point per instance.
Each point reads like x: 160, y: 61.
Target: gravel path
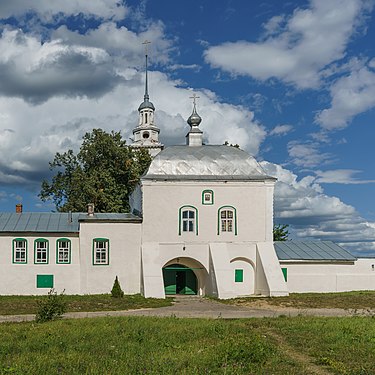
x: 196, y: 307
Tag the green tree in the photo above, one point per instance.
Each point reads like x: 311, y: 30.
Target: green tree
x: 116, y: 291
x: 280, y: 232
x: 104, y: 172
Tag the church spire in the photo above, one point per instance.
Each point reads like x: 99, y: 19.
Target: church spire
x: 146, y: 134
x: 195, y: 135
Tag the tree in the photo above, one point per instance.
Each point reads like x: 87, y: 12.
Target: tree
x: 280, y: 232
x: 104, y: 172
x: 116, y: 291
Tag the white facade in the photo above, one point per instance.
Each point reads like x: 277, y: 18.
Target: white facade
x: 201, y: 223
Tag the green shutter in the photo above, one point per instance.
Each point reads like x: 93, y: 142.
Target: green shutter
x: 285, y: 273
x: 238, y: 276
x: 44, y: 281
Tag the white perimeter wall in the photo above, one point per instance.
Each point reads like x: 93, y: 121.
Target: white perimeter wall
x: 304, y: 277
x: 20, y: 279
x: 124, y: 257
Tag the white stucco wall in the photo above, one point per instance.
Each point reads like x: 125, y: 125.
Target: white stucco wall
x: 20, y: 279
x: 162, y: 200
x: 328, y: 277
x: 124, y: 257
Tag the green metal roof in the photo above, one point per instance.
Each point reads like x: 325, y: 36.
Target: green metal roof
x: 56, y: 221
x: 312, y: 251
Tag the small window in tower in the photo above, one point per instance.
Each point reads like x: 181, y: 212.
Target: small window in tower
x: 146, y: 117
x: 145, y: 135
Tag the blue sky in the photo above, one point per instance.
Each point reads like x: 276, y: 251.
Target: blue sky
x: 293, y: 83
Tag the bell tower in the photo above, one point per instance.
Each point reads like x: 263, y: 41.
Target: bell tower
x: 146, y: 133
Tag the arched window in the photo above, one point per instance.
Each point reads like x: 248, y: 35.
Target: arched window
x: 207, y: 197
x: 41, y: 253
x: 20, y: 250
x: 188, y: 220
x: 63, y: 251
x: 227, y: 220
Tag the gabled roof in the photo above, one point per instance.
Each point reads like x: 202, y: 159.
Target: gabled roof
x: 312, y: 251
x: 56, y: 222
x: 208, y: 162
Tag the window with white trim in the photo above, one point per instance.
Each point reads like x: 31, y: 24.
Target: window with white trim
x: 226, y: 217
x: 188, y: 220
x: 101, y: 251
x: 63, y: 251
x: 19, y: 250
x: 227, y: 220
x: 41, y: 251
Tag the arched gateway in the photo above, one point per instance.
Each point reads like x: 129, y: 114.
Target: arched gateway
x: 179, y: 279
x: 184, y: 276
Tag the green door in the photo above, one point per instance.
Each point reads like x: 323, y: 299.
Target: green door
x: 179, y: 279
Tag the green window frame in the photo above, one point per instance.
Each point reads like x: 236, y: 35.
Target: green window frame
x: 187, y: 220
x: 63, y: 251
x: 207, y: 197
x: 238, y: 276
x: 44, y: 281
x: 100, y: 252
x: 285, y: 273
x: 41, y: 251
x: 227, y: 220
x: 19, y: 251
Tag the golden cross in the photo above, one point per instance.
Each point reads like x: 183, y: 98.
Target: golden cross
x: 194, y: 97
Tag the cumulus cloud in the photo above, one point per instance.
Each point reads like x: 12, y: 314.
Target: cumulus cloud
x: 297, y: 49
x: 340, y: 176
x: 314, y: 215
x: 307, y: 154
x: 351, y: 95
x: 37, y: 71
x: 47, y: 9
x: 280, y: 130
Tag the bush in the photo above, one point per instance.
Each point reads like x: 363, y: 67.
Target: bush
x: 51, y: 307
x: 116, y: 291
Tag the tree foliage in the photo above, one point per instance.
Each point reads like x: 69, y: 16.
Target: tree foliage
x: 116, y: 291
x: 280, y: 232
x: 104, y: 172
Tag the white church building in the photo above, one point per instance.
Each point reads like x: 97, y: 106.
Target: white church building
x: 201, y: 224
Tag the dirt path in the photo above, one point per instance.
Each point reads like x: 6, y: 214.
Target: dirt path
x: 304, y: 360
x: 196, y: 307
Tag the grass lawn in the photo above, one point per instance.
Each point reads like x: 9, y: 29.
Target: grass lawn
x: 141, y: 345
x: 14, y: 305
x: 347, y: 300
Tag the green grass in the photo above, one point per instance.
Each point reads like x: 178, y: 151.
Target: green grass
x: 14, y: 305
x: 347, y: 300
x: 141, y: 345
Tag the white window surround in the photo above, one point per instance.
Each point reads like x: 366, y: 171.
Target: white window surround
x: 63, y: 251
x: 41, y: 251
x: 100, y: 251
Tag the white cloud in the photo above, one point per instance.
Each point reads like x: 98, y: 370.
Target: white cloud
x: 47, y: 9
x: 314, y: 215
x: 307, y: 154
x: 351, y: 95
x: 311, y: 39
x: 280, y: 130
x: 340, y: 176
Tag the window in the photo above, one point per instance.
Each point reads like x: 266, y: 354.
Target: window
x: 19, y: 250
x: 238, y: 276
x: 41, y: 251
x: 63, y: 251
x: 101, y: 251
x: 207, y: 197
x: 188, y: 217
x: 227, y: 220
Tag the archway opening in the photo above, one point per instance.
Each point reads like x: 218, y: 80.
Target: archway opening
x: 179, y: 279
